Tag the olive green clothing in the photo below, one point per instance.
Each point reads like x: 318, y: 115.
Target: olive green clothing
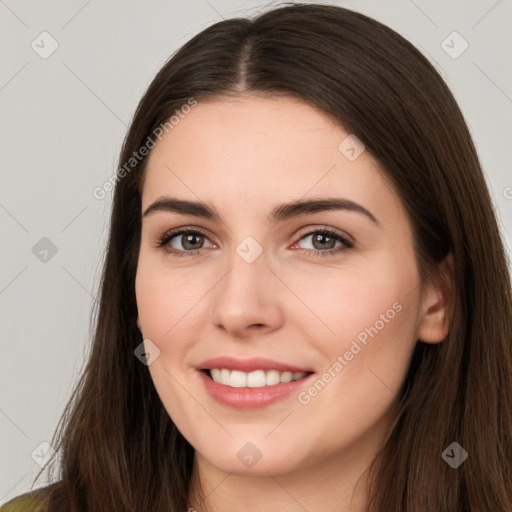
x: 22, y: 504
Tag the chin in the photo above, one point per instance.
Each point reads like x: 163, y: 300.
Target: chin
x: 255, y: 458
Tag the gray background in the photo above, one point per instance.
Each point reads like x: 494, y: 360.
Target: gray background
x: 63, y: 121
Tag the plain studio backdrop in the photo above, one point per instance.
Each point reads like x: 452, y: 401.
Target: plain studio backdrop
x: 71, y: 76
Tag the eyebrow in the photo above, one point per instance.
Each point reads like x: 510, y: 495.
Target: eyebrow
x: 278, y: 214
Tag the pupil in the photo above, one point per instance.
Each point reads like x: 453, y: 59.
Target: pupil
x: 319, y: 238
x: 188, y: 238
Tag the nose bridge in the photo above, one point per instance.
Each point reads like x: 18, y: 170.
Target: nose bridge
x: 248, y: 273
x: 244, y: 296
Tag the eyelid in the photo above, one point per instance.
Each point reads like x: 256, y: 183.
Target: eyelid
x: 164, y: 239
x: 309, y: 230
x: 306, y: 231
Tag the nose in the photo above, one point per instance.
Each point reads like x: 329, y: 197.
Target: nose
x: 247, y: 298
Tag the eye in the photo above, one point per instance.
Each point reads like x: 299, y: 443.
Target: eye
x: 325, y: 239
x: 190, y: 239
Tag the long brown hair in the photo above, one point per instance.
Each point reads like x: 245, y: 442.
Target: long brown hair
x: 120, y: 450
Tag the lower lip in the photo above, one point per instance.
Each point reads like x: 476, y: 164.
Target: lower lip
x: 251, y: 398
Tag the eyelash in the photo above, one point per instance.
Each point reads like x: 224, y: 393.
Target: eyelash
x: 166, y: 238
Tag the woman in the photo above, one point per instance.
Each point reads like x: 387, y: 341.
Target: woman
x: 305, y: 302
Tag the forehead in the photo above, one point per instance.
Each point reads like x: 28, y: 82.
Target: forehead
x: 254, y: 150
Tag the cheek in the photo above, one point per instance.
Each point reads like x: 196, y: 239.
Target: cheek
x: 368, y: 320
x: 343, y: 304
x: 167, y: 301
x: 154, y: 309
x: 365, y: 362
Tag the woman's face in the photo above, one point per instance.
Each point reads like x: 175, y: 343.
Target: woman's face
x: 271, y: 295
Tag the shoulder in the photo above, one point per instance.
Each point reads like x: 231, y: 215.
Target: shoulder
x: 23, y: 503
x: 31, y: 501
x: 48, y: 497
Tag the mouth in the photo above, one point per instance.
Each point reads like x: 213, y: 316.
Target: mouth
x: 255, y: 379
x: 251, y: 383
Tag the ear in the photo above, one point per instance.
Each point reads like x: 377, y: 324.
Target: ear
x: 138, y: 323
x: 437, y: 304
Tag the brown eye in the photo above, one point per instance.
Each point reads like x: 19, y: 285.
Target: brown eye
x: 190, y: 241
x: 183, y: 242
x: 324, y: 242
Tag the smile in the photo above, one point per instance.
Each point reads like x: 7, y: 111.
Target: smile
x: 251, y: 383
x: 256, y: 379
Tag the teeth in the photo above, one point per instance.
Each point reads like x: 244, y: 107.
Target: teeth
x: 273, y: 377
x: 256, y: 379
x: 224, y: 375
x: 238, y: 379
x: 286, y: 377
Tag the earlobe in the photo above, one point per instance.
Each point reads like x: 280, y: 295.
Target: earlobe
x: 437, y: 305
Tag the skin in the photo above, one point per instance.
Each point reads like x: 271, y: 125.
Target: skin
x: 244, y: 155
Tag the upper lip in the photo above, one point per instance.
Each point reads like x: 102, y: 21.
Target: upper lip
x: 249, y: 365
